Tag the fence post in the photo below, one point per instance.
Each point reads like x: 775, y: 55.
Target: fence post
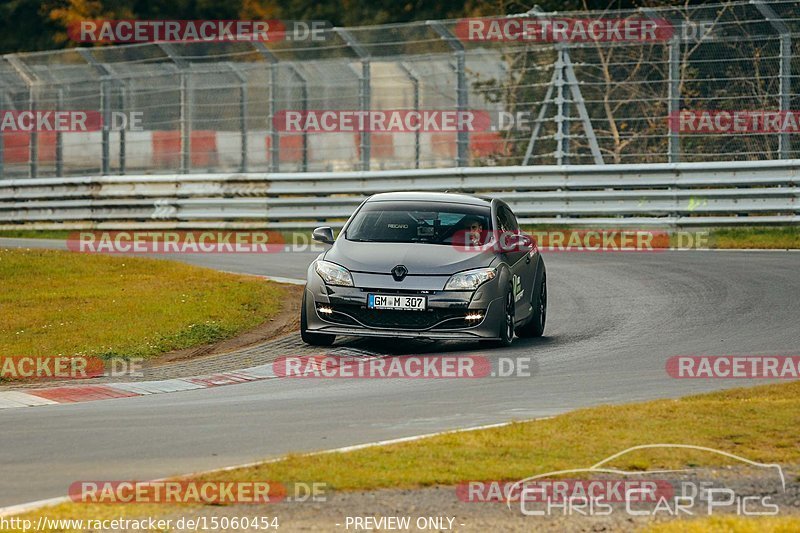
x: 364, y: 95
x: 3, y: 108
x: 185, y: 123
x: 105, y: 106
x: 784, y: 145
x: 462, y: 140
x: 123, y: 104
x: 59, y: 136
x: 243, y: 123
x: 304, y: 109
x: 242, y: 114
x: 33, y: 150
x: 415, y: 84
x: 185, y: 117
x: 673, y: 85
x: 32, y: 81
x: 561, y: 116
x: 786, y: 90
x: 674, y: 96
x: 275, y: 138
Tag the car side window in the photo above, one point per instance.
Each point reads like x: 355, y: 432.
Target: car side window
x: 506, y: 219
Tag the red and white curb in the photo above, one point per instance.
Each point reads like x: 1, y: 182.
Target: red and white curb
x: 107, y: 391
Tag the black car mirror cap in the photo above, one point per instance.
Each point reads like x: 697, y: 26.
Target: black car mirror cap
x: 515, y: 242
x: 323, y: 235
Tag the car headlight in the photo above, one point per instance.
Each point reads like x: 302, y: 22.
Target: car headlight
x: 469, y: 280
x: 333, y: 274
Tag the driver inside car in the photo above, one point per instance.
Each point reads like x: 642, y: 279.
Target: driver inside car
x: 473, y: 229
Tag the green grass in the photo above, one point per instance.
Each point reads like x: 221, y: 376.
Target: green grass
x: 775, y: 238
x: 730, y: 524
x: 770, y: 238
x: 758, y: 423
x: 62, y: 303
x: 34, y: 234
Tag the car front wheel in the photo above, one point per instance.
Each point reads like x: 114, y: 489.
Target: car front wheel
x: 507, y: 327
x: 535, y: 326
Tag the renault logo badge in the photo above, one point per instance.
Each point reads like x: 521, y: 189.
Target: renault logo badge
x: 399, y: 272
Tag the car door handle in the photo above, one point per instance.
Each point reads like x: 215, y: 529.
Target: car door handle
x: 527, y: 259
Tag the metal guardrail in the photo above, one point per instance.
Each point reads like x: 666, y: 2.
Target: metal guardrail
x: 669, y: 194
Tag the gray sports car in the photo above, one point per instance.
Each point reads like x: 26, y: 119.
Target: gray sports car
x: 426, y: 265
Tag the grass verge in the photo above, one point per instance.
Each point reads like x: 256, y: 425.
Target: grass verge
x: 62, y: 303
x: 715, y: 524
x: 765, y: 238
x: 59, y: 234
x: 758, y: 423
x: 781, y: 238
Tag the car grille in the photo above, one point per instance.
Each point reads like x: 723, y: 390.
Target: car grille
x: 389, y: 318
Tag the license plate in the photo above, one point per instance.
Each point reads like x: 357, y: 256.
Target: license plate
x: 395, y: 301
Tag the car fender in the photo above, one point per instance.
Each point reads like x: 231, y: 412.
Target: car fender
x: 537, y: 278
x: 503, y: 275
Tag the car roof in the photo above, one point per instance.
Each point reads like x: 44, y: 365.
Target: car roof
x: 452, y: 198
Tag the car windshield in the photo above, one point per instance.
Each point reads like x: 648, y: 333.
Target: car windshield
x: 420, y: 222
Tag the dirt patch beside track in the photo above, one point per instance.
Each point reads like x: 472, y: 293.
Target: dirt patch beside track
x: 287, y: 321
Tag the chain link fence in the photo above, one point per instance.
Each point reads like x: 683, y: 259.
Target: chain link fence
x: 212, y: 106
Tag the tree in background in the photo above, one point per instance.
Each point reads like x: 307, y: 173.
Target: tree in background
x: 29, y: 25
x: 71, y: 11
x: 23, y: 27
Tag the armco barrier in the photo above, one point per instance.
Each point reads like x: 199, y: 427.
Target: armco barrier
x: 680, y: 194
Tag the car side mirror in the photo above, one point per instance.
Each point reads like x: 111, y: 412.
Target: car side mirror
x: 323, y: 235
x: 515, y: 242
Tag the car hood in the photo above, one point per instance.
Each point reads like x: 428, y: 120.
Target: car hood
x: 419, y: 259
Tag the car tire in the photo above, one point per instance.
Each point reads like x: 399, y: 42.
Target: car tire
x: 506, y: 334
x: 314, y: 339
x: 535, y: 326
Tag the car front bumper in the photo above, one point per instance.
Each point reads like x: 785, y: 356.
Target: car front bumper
x: 443, y: 319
